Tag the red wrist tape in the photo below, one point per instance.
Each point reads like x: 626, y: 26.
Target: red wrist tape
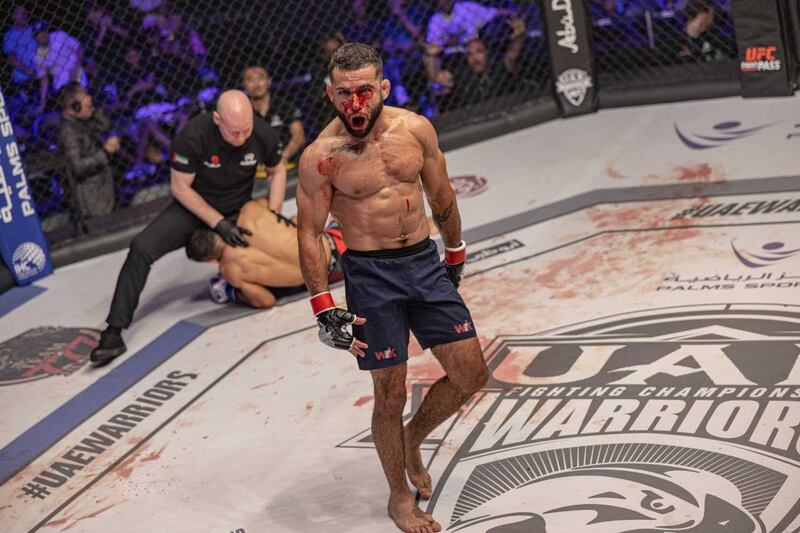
x: 322, y: 302
x: 456, y: 256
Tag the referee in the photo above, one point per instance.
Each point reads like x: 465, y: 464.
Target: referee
x: 214, y: 160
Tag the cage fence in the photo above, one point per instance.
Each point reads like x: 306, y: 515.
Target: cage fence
x: 150, y: 65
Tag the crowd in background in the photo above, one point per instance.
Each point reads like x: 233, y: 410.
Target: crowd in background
x: 139, y: 69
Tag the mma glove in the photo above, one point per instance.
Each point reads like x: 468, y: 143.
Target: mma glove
x: 454, y: 259
x: 231, y: 233
x: 332, y: 322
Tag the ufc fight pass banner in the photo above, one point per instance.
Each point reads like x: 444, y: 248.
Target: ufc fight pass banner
x: 763, y: 54
x: 22, y: 242
x: 571, y: 58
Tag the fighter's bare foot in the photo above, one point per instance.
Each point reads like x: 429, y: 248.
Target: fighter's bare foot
x: 410, y: 518
x: 417, y: 473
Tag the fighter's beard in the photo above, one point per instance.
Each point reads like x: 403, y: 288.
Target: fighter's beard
x: 373, y: 118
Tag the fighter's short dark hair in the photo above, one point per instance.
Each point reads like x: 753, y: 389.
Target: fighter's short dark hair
x: 355, y: 56
x: 202, y: 246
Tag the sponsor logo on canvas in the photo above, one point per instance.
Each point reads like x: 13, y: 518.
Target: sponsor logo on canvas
x: 754, y: 207
x: 771, y: 254
x: 638, y: 422
x: 720, y: 134
x: 646, y: 421
x: 574, y: 83
x: 492, y: 251
x: 729, y: 281
x: 768, y: 255
x: 105, y: 436
x: 468, y: 186
x: 45, y: 351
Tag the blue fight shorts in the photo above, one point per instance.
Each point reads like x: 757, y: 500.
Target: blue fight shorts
x: 400, y: 289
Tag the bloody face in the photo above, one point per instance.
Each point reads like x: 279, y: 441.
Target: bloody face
x: 357, y: 99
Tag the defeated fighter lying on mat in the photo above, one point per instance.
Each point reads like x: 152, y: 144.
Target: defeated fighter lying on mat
x: 271, y: 260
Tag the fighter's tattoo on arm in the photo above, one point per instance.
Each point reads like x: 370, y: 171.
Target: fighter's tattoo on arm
x: 442, y: 216
x: 354, y: 148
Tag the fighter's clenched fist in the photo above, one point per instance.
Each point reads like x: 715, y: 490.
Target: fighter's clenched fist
x: 333, y: 322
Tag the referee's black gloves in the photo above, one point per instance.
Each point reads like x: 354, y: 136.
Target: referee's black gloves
x: 231, y: 233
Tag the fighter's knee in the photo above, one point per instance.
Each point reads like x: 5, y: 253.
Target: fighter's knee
x: 473, y: 380
x: 390, y: 400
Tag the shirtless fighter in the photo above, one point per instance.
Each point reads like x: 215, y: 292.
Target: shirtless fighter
x: 271, y: 261
x: 369, y: 168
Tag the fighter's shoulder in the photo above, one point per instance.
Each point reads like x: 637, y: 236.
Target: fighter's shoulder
x: 418, y: 125
x: 313, y: 154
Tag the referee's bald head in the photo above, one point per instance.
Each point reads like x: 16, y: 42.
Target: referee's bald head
x: 234, y: 117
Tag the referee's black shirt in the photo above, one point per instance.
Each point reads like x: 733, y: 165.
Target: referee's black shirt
x: 224, y: 173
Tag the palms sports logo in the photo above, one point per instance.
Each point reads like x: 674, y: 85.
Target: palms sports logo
x: 722, y: 133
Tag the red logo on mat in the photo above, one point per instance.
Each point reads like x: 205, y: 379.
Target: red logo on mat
x: 45, y: 351
x: 388, y: 353
x: 466, y: 186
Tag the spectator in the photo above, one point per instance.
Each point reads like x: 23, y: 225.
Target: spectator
x: 146, y: 6
x: 20, y: 46
x: 702, y: 41
x: 286, y: 120
x: 60, y: 57
x: 105, y: 38
x: 487, y: 76
x: 137, y: 87
x: 179, y: 48
x: 455, y: 24
x: 323, y: 113
x: 362, y: 26
x: 401, y: 41
x: 86, y: 153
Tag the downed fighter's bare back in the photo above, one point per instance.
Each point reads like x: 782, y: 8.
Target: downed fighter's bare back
x: 377, y: 195
x: 272, y: 258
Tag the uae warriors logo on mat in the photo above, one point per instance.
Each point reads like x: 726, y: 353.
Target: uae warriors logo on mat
x: 672, y: 420
x: 45, y: 351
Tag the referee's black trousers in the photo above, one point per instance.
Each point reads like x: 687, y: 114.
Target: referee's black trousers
x: 169, y: 231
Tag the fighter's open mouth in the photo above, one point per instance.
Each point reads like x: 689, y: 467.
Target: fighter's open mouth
x: 358, y: 122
